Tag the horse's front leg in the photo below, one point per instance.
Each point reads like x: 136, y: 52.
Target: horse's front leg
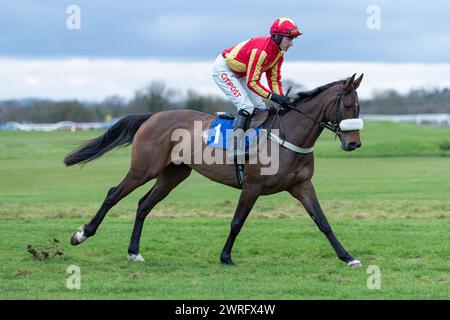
x: 247, y: 199
x: 306, y: 194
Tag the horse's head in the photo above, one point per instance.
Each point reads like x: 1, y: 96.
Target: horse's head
x: 345, y: 114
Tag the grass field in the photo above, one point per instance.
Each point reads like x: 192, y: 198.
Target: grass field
x: 388, y: 203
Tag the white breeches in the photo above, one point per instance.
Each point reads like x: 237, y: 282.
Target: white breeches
x: 235, y: 88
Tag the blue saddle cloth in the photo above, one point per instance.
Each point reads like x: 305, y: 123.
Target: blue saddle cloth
x: 220, y: 134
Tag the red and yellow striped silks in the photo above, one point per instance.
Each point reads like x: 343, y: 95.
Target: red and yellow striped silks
x: 252, y: 58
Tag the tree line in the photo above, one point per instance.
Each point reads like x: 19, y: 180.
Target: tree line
x: 157, y: 97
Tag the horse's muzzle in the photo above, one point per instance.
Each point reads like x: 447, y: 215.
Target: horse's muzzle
x: 350, y: 140
x: 349, y: 133
x: 351, y: 146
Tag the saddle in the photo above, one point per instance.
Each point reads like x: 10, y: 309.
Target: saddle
x: 258, y: 118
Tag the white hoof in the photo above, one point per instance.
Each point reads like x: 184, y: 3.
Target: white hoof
x: 78, y: 237
x: 136, y: 257
x: 354, y: 263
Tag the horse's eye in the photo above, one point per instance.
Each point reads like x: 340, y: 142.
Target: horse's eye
x: 347, y: 106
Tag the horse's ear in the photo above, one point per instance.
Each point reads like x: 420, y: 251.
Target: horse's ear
x: 357, y: 82
x: 348, y: 82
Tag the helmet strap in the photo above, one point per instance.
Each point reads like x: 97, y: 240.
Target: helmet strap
x: 277, y: 39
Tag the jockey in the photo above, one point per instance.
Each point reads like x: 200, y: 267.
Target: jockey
x: 238, y: 70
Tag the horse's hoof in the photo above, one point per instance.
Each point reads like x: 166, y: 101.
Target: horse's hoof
x: 78, y: 237
x: 136, y: 257
x: 227, y: 262
x: 354, y: 263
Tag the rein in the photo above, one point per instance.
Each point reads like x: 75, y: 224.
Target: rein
x: 334, y: 127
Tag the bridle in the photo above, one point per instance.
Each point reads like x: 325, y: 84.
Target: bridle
x: 332, y: 126
x: 335, y: 127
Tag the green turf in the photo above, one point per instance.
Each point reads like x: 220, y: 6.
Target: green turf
x: 276, y: 259
x: 388, y: 203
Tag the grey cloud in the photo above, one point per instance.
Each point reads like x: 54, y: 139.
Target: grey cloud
x: 411, y: 30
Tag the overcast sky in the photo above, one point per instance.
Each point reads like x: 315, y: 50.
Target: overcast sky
x: 124, y: 45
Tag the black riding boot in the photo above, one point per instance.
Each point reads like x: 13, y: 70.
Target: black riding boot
x: 241, y: 121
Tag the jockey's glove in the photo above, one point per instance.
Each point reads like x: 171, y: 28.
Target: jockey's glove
x: 281, y: 100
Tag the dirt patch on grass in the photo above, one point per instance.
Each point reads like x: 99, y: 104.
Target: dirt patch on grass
x: 360, y: 215
x: 22, y: 273
x: 444, y: 279
x: 51, y: 250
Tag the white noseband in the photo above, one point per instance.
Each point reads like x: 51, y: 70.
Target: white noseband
x: 351, y: 124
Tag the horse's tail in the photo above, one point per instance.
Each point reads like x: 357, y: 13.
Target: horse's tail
x: 120, y: 134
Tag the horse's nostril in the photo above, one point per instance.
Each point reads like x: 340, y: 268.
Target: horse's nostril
x: 354, y: 145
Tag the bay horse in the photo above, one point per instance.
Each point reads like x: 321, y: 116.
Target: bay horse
x: 326, y: 107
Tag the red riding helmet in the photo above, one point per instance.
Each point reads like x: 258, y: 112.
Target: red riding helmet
x: 284, y: 27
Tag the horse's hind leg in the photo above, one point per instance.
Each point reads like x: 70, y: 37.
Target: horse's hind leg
x: 132, y: 181
x: 169, y: 178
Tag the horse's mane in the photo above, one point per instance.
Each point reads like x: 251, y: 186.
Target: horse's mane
x: 307, y: 95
